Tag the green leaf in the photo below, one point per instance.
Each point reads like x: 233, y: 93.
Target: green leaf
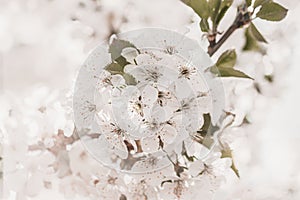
x: 199, y: 6
x: 256, y: 34
x: 227, y: 59
x: 227, y: 153
x: 251, y: 43
x: 226, y: 3
x: 228, y: 72
x: 225, y: 64
x: 117, y: 46
x: 205, y: 134
x: 204, y: 25
x: 129, y: 79
x: 248, y: 2
x: 223, y: 9
x: 272, y: 12
x: 214, y: 6
x: 260, y: 2
x: 119, y: 61
x: 115, y: 68
x: 207, y: 128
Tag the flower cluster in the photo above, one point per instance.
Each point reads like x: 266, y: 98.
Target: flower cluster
x: 152, y: 117
x: 152, y: 120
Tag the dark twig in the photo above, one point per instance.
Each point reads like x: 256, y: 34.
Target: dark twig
x: 243, y: 17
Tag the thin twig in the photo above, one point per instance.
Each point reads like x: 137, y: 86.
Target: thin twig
x: 213, y: 48
x: 243, y: 17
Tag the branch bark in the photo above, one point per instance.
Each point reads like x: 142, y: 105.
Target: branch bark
x: 243, y: 17
x: 212, y: 49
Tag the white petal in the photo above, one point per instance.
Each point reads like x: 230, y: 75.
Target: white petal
x: 196, y: 167
x: 117, y: 80
x: 182, y: 88
x: 145, y: 59
x: 168, y: 134
x: 149, y: 95
x: 150, y: 144
x: 130, y: 54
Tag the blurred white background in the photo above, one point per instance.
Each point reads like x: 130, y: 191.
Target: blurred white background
x: 44, y: 42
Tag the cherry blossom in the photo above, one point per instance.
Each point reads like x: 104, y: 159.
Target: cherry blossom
x: 46, y: 156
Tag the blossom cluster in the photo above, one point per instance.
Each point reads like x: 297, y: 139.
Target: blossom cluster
x: 45, y: 157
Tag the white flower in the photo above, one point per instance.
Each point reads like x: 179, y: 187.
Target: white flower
x: 177, y: 189
x: 110, y: 185
x: 73, y: 186
x: 79, y: 159
x: 145, y: 74
x: 107, y: 82
x: 141, y: 191
x: 111, y: 131
x: 153, y: 68
x: 211, y: 170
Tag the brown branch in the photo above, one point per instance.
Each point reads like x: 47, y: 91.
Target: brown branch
x: 243, y: 17
x: 212, y: 49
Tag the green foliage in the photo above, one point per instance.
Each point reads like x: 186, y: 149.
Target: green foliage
x: 228, y: 72
x: 225, y: 5
x: 204, y: 25
x: 116, y: 47
x: 207, y: 128
x: 251, y: 44
x: 272, y: 11
x: 256, y: 34
x: 205, y: 135
x: 225, y: 64
x: 118, y: 61
x: 130, y: 80
x: 114, y: 68
x: 227, y: 153
x: 212, y: 12
x: 253, y: 36
x: 218, y: 9
x: 209, y: 9
x: 214, y: 9
x: 227, y: 59
x: 248, y: 2
x: 260, y: 2
x: 199, y: 6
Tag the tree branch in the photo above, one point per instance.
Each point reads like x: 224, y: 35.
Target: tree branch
x: 213, y: 48
x: 243, y: 17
